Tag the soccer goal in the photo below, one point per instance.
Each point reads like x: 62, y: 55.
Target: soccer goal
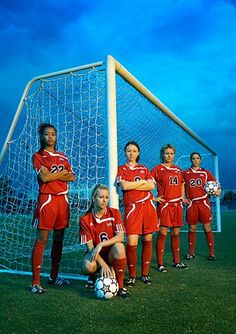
x: 96, y: 109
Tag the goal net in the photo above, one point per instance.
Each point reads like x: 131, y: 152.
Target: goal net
x: 96, y: 109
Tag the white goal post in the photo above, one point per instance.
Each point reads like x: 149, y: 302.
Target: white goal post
x: 96, y: 109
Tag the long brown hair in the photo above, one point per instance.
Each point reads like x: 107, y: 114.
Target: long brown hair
x: 193, y: 153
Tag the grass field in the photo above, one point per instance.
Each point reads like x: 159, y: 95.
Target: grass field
x: 198, y: 300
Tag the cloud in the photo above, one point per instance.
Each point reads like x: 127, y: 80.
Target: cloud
x: 28, y: 28
x: 184, y: 51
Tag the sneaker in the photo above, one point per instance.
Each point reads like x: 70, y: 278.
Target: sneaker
x: 124, y: 293
x: 190, y: 257
x: 162, y: 269
x: 90, y: 284
x: 58, y: 281
x: 130, y: 282
x: 146, y: 280
x: 211, y: 258
x: 37, y: 289
x: 180, y: 266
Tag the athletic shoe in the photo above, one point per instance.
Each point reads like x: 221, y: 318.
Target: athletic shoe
x: 180, y: 266
x: 58, y: 281
x: 211, y: 258
x: 37, y: 289
x: 130, y: 282
x: 162, y: 269
x: 90, y: 284
x: 190, y: 257
x: 146, y: 280
x: 124, y: 293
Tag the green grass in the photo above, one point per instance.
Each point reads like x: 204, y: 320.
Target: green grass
x: 198, y: 300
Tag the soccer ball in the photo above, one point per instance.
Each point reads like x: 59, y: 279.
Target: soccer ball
x: 211, y: 187
x: 106, y: 287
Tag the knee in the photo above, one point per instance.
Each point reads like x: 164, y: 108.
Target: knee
x: 89, y: 267
x: 42, y: 239
x: 174, y: 233
x: 207, y: 227
x: 42, y: 236
x: 118, y: 250
x: 192, y: 228
x: 147, y: 237
x: 163, y: 231
x: 132, y: 240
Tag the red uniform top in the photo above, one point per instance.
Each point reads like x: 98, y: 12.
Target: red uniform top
x: 131, y: 174
x: 195, y: 181
x: 169, y: 182
x: 53, y: 161
x: 100, y: 229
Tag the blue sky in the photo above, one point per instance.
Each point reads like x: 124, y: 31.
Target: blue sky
x: 184, y: 51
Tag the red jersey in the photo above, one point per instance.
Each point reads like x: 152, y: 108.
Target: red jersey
x: 132, y: 174
x: 169, y: 181
x: 100, y: 229
x: 53, y: 161
x: 195, y: 181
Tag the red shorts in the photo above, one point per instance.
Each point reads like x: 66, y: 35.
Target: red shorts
x: 104, y: 253
x: 199, y: 211
x: 141, y: 218
x: 171, y: 214
x: 52, y: 212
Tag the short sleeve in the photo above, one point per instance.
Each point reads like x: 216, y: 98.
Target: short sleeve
x: 118, y: 225
x: 120, y: 175
x: 37, y: 164
x: 84, y: 232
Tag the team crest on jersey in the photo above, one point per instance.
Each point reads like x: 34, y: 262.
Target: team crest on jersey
x: 91, y: 224
x: 109, y: 224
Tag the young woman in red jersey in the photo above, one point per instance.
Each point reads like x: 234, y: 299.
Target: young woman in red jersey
x: 102, y: 230
x: 199, y: 207
x: 140, y: 214
x: 52, y: 212
x: 170, y: 188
